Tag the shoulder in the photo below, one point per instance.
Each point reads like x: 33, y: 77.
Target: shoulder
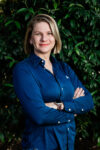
x: 23, y: 63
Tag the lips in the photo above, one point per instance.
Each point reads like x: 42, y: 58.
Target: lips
x: 43, y: 44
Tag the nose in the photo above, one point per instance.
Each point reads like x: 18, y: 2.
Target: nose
x: 44, y: 37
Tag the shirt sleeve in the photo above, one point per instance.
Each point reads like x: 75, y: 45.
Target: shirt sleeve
x: 82, y: 104
x: 29, y: 94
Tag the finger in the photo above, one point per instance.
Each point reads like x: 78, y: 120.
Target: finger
x: 82, y: 93
x: 76, y: 91
x: 75, y: 115
x: 46, y: 104
x: 79, y: 92
x: 54, y: 106
x: 51, y: 105
x: 62, y: 106
x: 59, y: 106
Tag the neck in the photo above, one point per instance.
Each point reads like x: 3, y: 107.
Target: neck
x: 45, y: 57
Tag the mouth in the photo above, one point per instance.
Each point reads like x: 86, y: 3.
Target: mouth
x: 43, y: 44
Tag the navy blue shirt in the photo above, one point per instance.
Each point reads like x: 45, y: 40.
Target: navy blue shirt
x: 47, y: 128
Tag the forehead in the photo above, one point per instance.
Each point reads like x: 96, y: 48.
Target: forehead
x: 41, y: 26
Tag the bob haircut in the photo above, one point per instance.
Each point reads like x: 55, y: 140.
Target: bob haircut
x: 28, y: 48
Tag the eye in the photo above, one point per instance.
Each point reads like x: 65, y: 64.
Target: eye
x: 50, y: 33
x: 37, y: 34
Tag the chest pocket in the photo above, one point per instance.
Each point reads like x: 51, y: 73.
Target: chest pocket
x: 68, y: 88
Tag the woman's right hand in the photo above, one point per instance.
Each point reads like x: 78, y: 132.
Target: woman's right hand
x: 59, y: 106
x: 51, y: 105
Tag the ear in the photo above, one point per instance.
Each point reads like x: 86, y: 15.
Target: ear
x: 30, y: 41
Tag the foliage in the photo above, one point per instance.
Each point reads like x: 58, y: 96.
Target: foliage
x: 79, y: 23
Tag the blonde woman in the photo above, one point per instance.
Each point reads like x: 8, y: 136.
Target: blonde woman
x: 49, y: 91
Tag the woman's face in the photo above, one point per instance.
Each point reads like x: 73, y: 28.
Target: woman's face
x: 42, y: 38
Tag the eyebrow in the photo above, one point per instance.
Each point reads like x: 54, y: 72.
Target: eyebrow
x: 41, y: 32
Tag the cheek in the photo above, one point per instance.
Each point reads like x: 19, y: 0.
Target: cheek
x: 35, y: 41
x: 52, y: 40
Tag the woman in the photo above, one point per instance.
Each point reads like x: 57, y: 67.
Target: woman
x: 49, y: 91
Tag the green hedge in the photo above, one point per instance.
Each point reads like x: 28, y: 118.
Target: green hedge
x: 79, y: 25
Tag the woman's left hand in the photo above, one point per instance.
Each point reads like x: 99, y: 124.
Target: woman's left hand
x: 78, y: 93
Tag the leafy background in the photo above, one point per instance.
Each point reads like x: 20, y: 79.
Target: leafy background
x: 79, y: 25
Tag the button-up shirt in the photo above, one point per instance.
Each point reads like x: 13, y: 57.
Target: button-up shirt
x: 47, y: 128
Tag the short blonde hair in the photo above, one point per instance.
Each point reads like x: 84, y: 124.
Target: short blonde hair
x: 28, y: 48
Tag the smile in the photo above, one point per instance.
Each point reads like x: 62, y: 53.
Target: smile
x: 43, y: 44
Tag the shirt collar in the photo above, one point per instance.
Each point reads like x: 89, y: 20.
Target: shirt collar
x: 36, y: 60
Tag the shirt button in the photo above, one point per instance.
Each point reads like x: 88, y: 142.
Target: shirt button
x: 42, y: 61
x: 58, y: 122
x: 67, y: 77
x: 82, y: 109
x: 69, y: 120
x: 62, y: 89
x: 69, y: 109
x: 68, y: 129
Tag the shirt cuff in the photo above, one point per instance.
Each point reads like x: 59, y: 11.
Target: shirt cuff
x: 69, y: 107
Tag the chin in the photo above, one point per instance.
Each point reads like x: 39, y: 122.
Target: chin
x: 44, y: 50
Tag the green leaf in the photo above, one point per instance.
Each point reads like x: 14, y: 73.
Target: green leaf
x: 96, y: 43
x: 98, y: 141
x: 31, y: 10
x: 91, y: 57
x: 70, y: 52
x: 66, y: 16
x: 94, y: 92
x: 79, y: 44
x: 17, y: 24
x: 2, y: 139
x: 21, y: 10
x: 77, y: 51
x: 92, y: 22
x: 34, y: 2
x: 55, y: 5
x: 72, y: 23
x: 27, y: 16
x: 11, y: 64
x: 8, y: 85
x: 79, y: 5
x: 59, y: 22
x: 83, y: 29
x: 9, y: 22
x: 71, y: 5
x: 9, y: 57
